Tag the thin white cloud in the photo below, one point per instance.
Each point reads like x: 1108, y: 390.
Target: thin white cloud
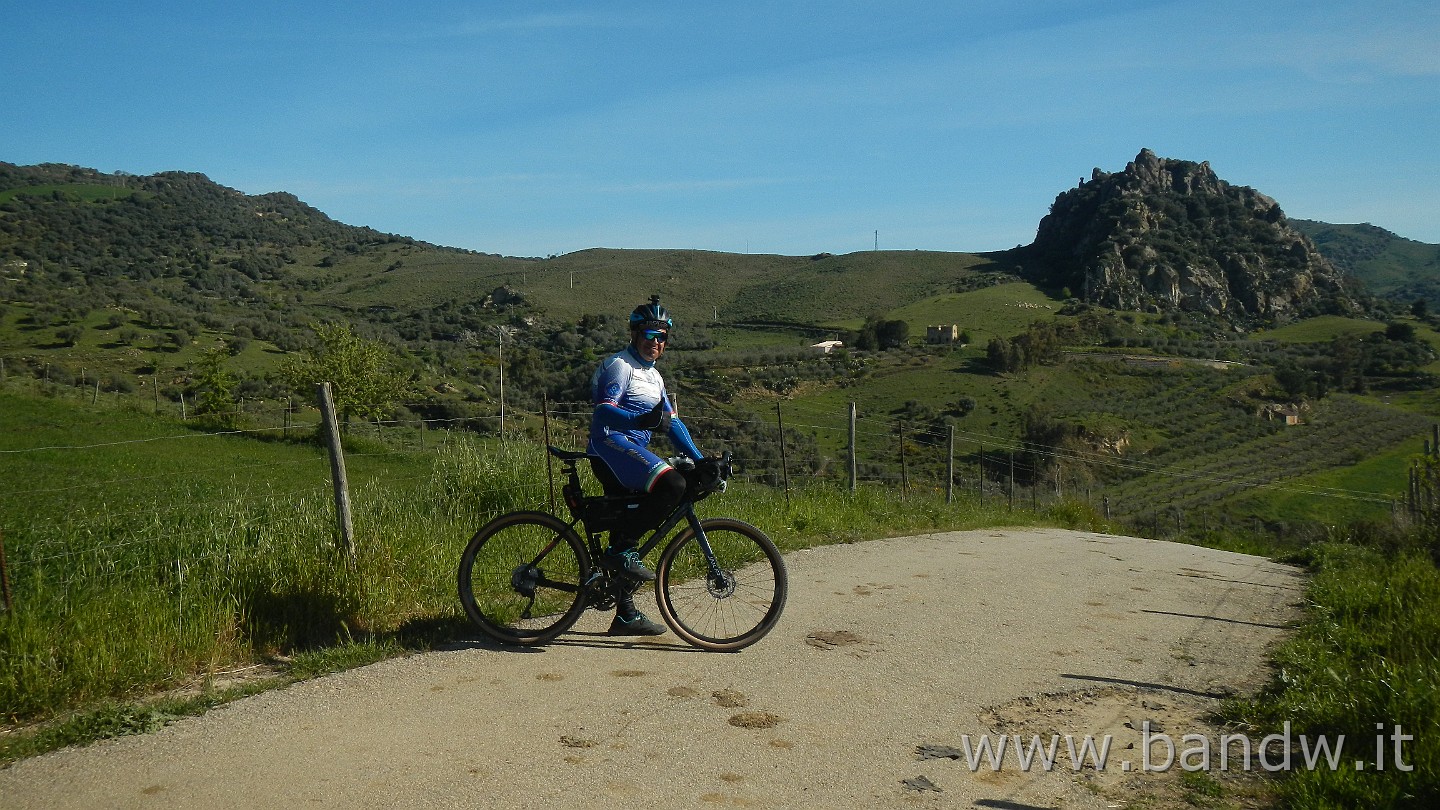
x: 684, y: 186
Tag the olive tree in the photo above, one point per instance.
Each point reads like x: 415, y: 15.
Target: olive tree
x: 366, y: 377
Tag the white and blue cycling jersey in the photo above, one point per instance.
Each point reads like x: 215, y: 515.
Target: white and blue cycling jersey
x: 623, y: 388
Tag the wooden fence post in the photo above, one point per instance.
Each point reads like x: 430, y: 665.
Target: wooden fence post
x: 501, y: 330
x: 852, y: 448
x: 904, y: 468
x: 950, y: 467
x: 784, y: 468
x: 1010, y: 488
x: 337, y: 472
x: 4, y: 573
x: 549, y: 459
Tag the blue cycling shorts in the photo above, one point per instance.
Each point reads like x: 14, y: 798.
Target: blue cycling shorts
x: 634, y: 465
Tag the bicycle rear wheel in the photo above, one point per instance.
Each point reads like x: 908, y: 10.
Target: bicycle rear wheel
x: 520, y: 577
x: 728, y: 609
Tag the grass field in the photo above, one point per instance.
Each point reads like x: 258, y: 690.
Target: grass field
x: 1002, y: 310
x: 700, y: 287
x: 218, y: 552
x: 220, y: 549
x: 1321, y: 329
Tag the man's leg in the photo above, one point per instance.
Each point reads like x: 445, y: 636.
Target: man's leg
x: 664, y: 496
x: 629, y: 621
x: 627, y: 467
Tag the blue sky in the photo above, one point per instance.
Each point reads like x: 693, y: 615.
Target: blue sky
x: 539, y: 128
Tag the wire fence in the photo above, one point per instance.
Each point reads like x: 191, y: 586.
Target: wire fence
x: 775, y: 448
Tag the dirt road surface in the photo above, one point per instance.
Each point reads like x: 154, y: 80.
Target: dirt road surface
x: 888, y: 655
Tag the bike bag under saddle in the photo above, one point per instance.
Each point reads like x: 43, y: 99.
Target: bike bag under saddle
x: 598, y: 514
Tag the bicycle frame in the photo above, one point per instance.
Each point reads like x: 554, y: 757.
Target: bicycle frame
x: 723, y: 602
x: 684, y: 512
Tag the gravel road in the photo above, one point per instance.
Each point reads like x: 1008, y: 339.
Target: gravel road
x: 888, y: 654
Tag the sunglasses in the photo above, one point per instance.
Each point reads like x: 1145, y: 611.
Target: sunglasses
x: 657, y: 335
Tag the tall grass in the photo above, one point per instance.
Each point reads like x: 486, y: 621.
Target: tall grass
x: 1366, y: 661
x: 116, y: 603
x: 113, y: 602
x: 146, y: 583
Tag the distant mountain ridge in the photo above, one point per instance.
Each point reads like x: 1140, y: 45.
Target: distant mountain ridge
x: 1162, y: 234
x: 1390, y: 266
x: 171, y: 223
x: 1169, y: 234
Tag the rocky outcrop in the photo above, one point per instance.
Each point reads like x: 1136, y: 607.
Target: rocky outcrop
x: 1169, y: 234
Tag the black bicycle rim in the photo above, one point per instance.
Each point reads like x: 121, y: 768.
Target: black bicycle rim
x: 520, y: 576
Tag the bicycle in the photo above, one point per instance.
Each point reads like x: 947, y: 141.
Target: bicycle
x: 527, y: 576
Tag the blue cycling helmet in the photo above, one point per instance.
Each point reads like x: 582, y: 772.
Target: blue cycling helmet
x: 651, y: 316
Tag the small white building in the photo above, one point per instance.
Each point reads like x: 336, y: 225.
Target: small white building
x: 826, y: 346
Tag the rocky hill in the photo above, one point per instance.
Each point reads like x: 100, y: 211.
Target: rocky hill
x: 1169, y: 234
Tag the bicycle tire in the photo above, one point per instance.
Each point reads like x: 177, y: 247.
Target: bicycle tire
x: 520, y: 578
x: 734, y: 612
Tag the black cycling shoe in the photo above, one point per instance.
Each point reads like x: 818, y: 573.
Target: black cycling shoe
x: 638, y: 625
x: 627, y: 561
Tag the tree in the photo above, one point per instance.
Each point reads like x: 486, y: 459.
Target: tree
x: 880, y: 334
x: 1296, y: 382
x: 69, y: 334
x: 1420, y: 308
x: 215, y: 387
x: 365, y: 375
x: 1400, y: 332
x: 892, y: 334
x: 1000, y: 355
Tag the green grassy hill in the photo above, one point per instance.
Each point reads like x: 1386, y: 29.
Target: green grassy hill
x: 116, y: 285
x: 1390, y: 266
x: 217, y: 547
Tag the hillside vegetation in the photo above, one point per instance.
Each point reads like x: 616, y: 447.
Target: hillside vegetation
x: 172, y: 291
x: 1398, y: 269
x: 160, y: 338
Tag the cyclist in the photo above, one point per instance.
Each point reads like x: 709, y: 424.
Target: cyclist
x: 630, y: 407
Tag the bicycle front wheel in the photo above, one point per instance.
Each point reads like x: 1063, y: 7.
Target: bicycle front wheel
x: 520, y: 577
x: 728, y: 607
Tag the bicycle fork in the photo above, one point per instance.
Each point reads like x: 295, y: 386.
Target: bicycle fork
x: 718, y: 581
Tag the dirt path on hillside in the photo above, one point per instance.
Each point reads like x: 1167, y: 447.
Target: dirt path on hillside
x: 888, y: 655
